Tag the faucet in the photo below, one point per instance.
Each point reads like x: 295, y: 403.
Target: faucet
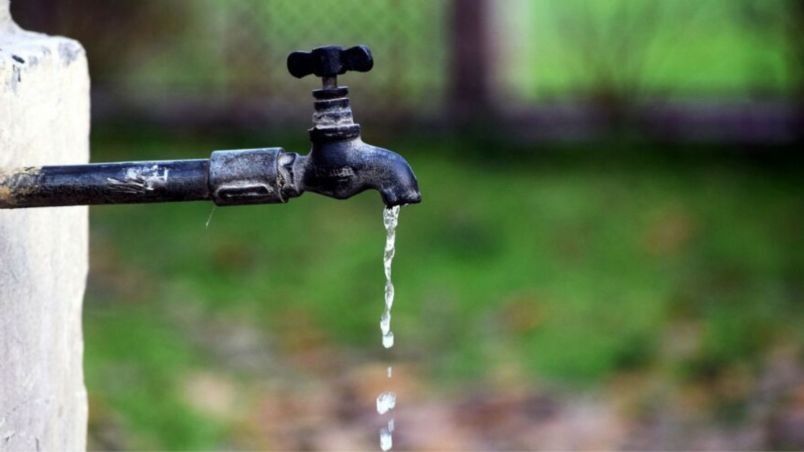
x: 339, y: 164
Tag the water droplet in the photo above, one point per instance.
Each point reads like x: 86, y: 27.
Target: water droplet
x: 388, y: 340
x: 386, y: 402
x: 386, y: 439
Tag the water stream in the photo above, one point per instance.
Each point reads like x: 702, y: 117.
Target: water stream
x: 386, y: 401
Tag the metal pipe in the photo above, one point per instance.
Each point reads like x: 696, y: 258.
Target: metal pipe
x: 241, y: 176
x: 105, y: 183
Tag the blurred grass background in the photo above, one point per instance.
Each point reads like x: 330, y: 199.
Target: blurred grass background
x: 569, y: 268
x: 604, y: 290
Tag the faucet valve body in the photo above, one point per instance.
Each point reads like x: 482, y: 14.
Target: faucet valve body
x: 332, y: 115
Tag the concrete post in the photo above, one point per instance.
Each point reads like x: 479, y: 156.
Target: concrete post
x: 44, y: 119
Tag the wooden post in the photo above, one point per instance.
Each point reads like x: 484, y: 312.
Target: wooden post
x: 44, y: 119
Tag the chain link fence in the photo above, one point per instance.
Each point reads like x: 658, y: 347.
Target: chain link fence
x: 233, y: 53
x: 571, y: 67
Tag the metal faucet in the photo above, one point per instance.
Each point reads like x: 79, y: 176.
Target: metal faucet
x: 338, y: 165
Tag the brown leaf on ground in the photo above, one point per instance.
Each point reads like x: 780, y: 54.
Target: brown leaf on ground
x: 669, y: 231
x: 211, y: 394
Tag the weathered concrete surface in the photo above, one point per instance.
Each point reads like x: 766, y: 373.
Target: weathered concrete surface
x: 44, y: 118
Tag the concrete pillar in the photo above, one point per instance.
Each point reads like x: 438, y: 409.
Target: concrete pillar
x: 44, y: 119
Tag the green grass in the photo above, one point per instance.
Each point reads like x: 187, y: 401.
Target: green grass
x: 575, y: 266
x: 135, y: 361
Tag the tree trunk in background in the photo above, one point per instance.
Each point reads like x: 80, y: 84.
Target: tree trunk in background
x: 797, y: 44
x: 469, y: 90
x: 44, y: 119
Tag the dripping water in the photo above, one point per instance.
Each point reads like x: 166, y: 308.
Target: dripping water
x: 390, y: 219
x: 387, y: 436
x: 386, y: 401
x: 209, y: 218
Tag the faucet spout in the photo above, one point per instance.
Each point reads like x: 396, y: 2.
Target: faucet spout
x: 342, y: 168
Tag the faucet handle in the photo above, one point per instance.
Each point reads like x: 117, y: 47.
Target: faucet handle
x: 330, y: 61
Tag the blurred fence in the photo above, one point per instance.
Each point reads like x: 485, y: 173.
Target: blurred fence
x: 715, y: 69
x: 195, y: 59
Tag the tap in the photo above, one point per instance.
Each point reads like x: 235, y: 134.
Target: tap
x: 339, y: 164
